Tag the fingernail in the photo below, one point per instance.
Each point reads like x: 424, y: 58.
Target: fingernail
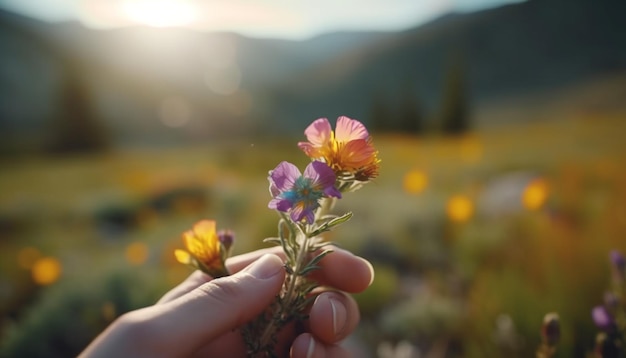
x: 369, y: 264
x: 265, y: 267
x: 311, y: 350
x: 339, y: 315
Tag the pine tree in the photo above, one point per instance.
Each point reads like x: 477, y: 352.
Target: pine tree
x: 454, y: 116
x: 76, y: 127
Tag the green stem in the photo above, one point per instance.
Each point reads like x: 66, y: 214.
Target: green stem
x: 286, y: 310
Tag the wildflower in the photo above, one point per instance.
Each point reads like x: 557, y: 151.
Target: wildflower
x: 617, y: 259
x: 299, y: 194
x: 205, y: 250
x: 550, y: 329
x: 348, y: 150
x: 603, y: 318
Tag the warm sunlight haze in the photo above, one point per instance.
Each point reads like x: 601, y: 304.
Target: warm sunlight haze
x: 266, y: 19
x: 158, y: 13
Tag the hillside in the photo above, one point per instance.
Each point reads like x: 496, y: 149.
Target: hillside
x: 218, y: 85
x: 512, y: 51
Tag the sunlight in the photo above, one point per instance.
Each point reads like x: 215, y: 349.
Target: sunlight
x: 159, y: 13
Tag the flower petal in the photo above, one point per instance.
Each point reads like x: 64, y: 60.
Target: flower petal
x: 348, y: 129
x: 279, y: 204
x: 183, y: 257
x: 282, y: 178
x: 323, y: 177
x: 302, y: 211
x: 204, y: 228
x: 318, y: 132
x: 357, y: 153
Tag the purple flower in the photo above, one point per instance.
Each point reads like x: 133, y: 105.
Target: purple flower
x: 299, y: 194
x: 603, y: 318
x: 617, y: 260
x: 226, y: 238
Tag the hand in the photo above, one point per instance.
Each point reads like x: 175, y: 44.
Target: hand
x: 201, y: 316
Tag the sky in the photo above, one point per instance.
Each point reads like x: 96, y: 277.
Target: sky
x: 289, y: 19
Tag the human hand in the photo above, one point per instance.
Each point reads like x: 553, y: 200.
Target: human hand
x: 201, y: 316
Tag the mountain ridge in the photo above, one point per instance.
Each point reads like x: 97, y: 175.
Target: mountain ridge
x: 281, y: 85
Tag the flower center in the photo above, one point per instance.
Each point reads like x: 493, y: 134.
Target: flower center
x: 303, y: 191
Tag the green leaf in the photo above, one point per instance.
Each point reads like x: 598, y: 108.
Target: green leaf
x: 272, y: 240
x: 319, y: 257
x: 340, y: 220
x: 331, y: 223
x: 307, y: 269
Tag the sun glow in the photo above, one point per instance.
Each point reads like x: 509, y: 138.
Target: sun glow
x: 159, y: 13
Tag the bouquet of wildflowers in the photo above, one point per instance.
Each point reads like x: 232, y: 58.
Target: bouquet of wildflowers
x: 342, y: 161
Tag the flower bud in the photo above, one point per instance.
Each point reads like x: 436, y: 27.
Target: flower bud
x: 551, y: 329
x: 226, y: 237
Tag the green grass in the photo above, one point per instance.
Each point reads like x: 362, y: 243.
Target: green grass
x: 463, y: 277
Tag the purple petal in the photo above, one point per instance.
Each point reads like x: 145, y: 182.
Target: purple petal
x: 602, y: 318
x: 297, y: 212
x: 282, y: 178
x: 322, y: 176
x: 279, y: 204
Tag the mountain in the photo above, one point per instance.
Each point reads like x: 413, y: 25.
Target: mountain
x: 515, y: 50
x: 144, y: 86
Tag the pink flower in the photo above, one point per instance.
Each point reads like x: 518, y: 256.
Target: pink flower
x: 348, y: 150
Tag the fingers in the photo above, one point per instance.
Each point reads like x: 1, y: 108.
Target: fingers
x: 306, y: 346
x: 344, y: 271
x: 341, y: 269
x: 183, y: 325
x: 234, y: 265
x: 333, y: 316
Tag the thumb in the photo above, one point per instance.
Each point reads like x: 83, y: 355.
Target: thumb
x: 221, y: 305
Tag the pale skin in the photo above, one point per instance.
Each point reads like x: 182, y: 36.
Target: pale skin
x: 201, y: 316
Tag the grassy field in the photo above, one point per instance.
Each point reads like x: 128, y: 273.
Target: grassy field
x: 474, y: 238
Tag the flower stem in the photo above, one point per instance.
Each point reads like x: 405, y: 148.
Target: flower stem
x: 290, y: 301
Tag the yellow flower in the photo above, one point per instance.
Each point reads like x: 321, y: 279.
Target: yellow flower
x: 205, y: 250
x: 348, y: 150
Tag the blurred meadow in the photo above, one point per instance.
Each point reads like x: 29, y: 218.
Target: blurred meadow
x: 501, y: 192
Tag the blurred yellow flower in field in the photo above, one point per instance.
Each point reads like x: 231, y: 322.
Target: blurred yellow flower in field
x: 206, y: 250
x: 459, y: 208
x: 46, y: 270
x: 137, y: 253
x: 535, y: 194
x: 415, y: 181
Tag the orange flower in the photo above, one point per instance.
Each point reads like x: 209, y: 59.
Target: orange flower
x: 205, y: 250
x: 348, y: 150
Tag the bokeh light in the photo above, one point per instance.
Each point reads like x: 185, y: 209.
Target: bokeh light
x: 224, y: 81
x: 46, y: 270
x: 175, y: 111
x: 415, y: 181
x: 535, y: 194
x: 459, y: 208
x: 137, y: 253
